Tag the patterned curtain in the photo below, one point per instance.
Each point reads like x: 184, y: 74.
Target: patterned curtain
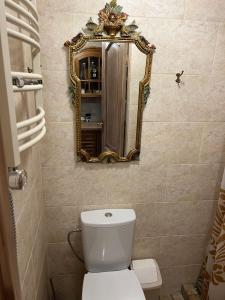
x: 211, y: 282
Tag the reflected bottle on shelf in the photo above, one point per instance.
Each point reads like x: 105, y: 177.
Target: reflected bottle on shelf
x: 93, y: 70
x: 83, y: 70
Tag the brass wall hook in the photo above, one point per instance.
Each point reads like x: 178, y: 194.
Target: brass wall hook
x: 178, y: 81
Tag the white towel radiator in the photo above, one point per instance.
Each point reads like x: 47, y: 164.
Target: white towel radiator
x: 19, y: 136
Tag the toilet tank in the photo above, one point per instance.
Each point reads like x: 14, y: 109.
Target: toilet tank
x: 107, y: 237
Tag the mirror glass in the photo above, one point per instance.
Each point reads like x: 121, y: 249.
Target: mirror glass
x: 109, y: 74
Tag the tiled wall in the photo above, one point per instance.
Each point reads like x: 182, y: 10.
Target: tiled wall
x: 174, y: 186
x: 28, y: 204
x: 31, y: 227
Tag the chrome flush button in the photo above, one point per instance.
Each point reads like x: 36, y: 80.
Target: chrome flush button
x: 108, y: 215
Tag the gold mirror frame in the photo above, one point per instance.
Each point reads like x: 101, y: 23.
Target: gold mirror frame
x: 111, y: 23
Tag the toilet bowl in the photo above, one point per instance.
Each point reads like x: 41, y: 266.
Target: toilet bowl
x: 107, y: 238
x: 116, y: 285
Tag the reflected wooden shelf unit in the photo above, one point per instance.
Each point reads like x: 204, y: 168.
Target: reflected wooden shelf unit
x: 88, y: 66
x: 91, y: 95
x: 91, y: 141
x: 91, y: 125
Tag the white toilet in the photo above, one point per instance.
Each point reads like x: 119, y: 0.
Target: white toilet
x: 107, y: 237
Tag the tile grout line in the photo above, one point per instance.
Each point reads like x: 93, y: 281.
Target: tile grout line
x: 215, y: 47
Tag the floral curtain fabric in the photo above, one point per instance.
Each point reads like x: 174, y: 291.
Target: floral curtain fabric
x: 211, y: 283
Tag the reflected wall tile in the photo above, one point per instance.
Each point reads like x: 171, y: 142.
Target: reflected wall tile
x: 219, y: 60
x: 205, y: 10
x: 58, y: 146
x: 132, y: 113
x: 182, y: 250
x: 193, y: 182
x: 213, y: 143
x: 187, y: 45
x: 57, y: 101
x: 177, y: 142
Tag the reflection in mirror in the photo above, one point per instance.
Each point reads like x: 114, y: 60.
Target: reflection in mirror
x: 109, y: 73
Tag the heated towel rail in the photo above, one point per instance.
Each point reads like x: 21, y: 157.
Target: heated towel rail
x: 19, y: 136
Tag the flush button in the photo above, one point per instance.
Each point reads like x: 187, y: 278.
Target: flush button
x: 108, y: 215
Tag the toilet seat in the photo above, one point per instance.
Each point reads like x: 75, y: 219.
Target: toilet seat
x: 116, y: 285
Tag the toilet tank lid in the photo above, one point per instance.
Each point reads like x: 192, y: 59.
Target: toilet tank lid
x: 107, y: 217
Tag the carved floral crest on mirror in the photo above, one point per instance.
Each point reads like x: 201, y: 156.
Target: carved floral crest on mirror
x: 110, y: 70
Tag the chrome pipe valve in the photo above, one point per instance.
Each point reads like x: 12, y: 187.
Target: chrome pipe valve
x: 17, y: 178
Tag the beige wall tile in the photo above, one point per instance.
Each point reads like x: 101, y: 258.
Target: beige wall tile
x: 61, y: 220
x: 146, y: 248
x: 68, y: 286
x: 28, y: 287
x: 180, y: 48
x: 69, y: 6
x: 61, y: 260
x: 205, y: 10
x: 174, y: 277
x: 146, y: 223
x: 185, y: 217
x: 152, y: 8
x: 54, y: 54
x: 182, y: 250
x: 199, y: 98
x: 39, y: 250
x: 125, y: 184
x: 219, y: 60
x: 25, y: 238
x: 213, y: 143
x: 42, y: 292
x: 82, y: 185
x: 58, y: 146
x: 177, y: 142
x: 57, y: 101
x: 193, y: 182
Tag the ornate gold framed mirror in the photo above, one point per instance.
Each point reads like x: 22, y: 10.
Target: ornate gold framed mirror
x: 110, y: 70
